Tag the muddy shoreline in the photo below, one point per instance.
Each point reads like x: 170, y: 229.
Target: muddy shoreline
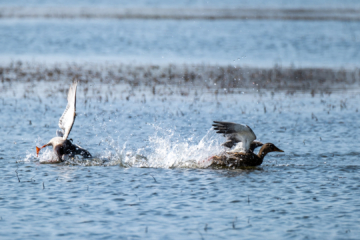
x: 182, y: 79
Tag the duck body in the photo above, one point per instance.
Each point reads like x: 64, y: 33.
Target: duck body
x: 61, y: 144
x: 65, y: 147
x: 243, y: 159
x: 236, y: 159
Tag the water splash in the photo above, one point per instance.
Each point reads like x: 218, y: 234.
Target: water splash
x: 48, y: 156
x: 165, y: 150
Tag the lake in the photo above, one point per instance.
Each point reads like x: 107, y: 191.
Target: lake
x: 149, y: 90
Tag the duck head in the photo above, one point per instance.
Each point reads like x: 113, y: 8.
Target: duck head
x: 273, y: 148
x: 268, y: 147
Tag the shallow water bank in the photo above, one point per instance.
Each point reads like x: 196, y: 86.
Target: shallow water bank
x: 179, y: 79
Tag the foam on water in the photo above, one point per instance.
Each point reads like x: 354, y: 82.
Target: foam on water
x: 170, y: 154
x: 163, y: 150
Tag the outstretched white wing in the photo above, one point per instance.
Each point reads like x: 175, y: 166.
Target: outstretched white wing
x: 236, y: 133
x: 68, y: 117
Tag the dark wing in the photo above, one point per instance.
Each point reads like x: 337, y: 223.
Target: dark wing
x: 254, y: 145
x: 74, y: 149
x: 67, y: 119
x: 235, y: 133
x: 230, y: 143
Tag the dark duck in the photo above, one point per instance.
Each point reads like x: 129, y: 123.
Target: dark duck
x: 61, y: 144
x: 242, y: 139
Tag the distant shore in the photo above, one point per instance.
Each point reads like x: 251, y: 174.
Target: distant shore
x: 184, y: 78
x: 63, y: 12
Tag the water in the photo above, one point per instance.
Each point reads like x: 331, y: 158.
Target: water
x: 324, y: 44
x: 187, y: 3
x: 149, y: 90
x: 309, y: 191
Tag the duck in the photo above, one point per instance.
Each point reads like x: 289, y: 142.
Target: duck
x: 61, y: 144
x: 244, y: 156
